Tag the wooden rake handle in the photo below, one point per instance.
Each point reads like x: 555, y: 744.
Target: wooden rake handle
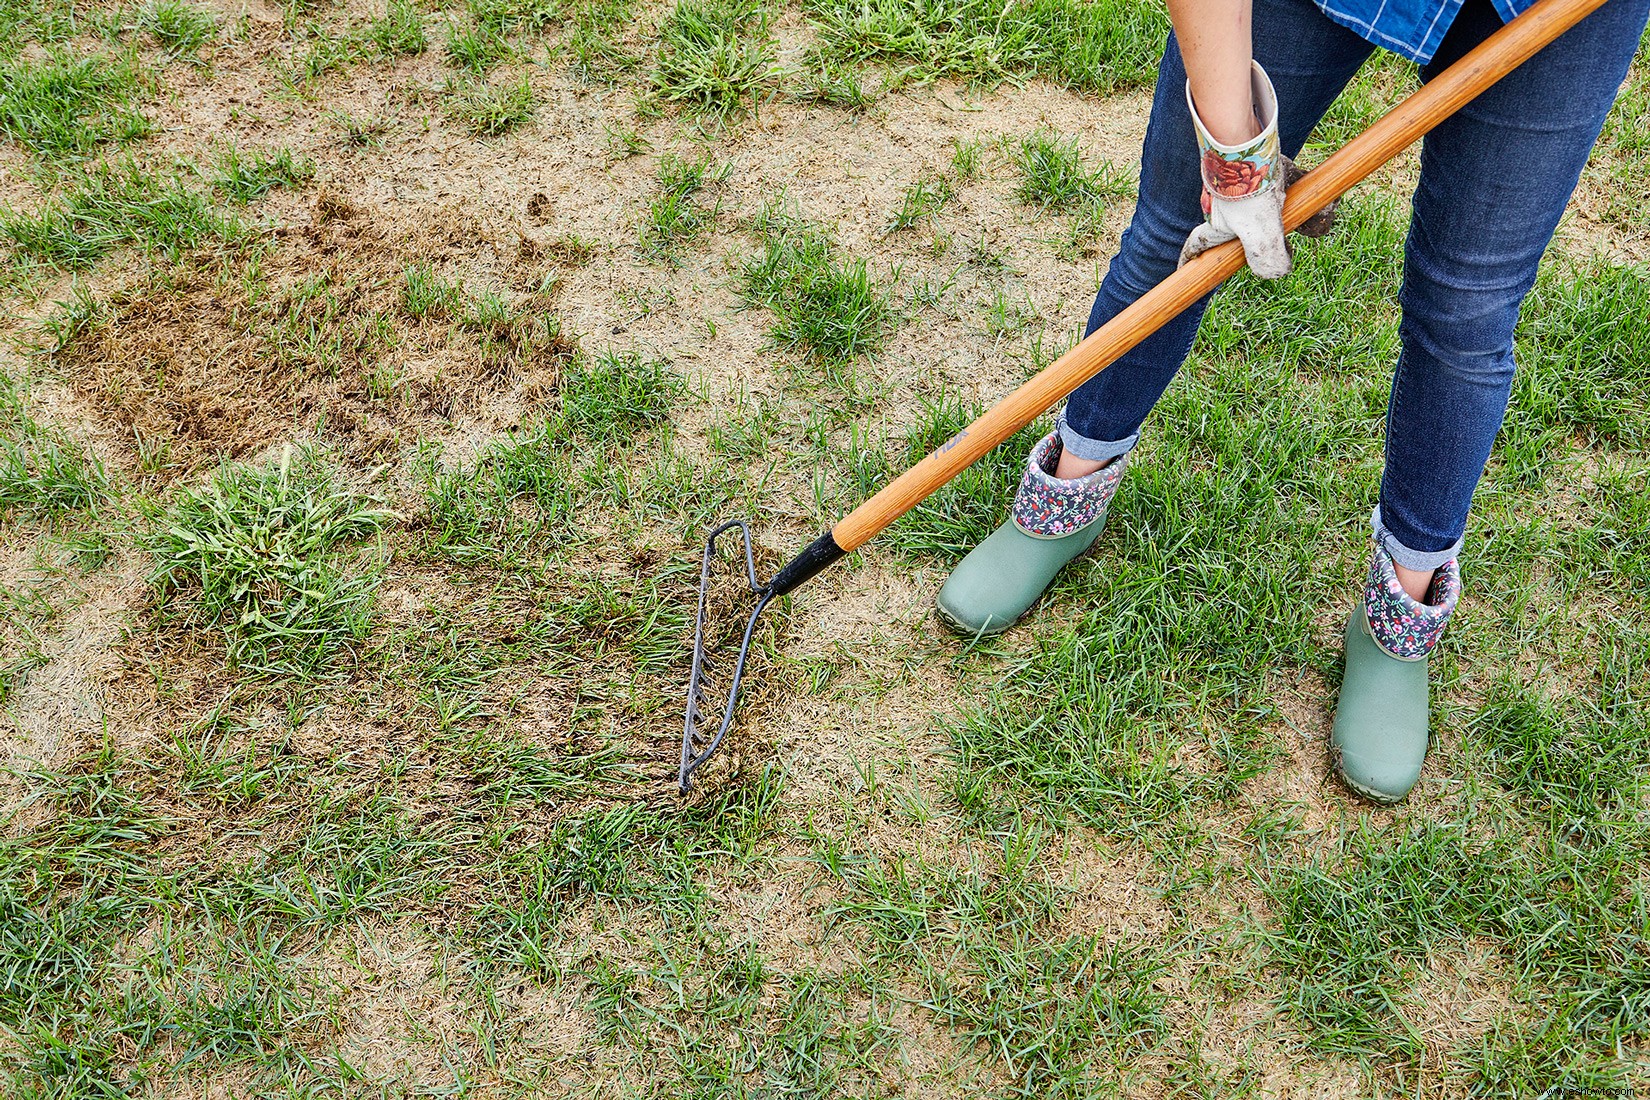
x: 1495, y: 57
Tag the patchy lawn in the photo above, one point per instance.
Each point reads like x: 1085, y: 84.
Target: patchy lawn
x: 370, y: 378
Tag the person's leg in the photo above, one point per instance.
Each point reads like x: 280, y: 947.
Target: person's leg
x: 1060, y: 507
x: 1309, y: 59
x: 1495, y: 179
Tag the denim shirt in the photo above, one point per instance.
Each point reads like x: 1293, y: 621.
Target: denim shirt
x: 1413, y: 28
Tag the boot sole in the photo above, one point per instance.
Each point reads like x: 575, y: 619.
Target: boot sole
x: 963, y: 630
x: 1357, y: 788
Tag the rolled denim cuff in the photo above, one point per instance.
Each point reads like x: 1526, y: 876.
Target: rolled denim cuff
x: 1094, y: 450
x: 1418, y: 560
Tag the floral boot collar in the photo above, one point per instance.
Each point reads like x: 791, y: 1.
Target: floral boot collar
x: 1048, y: 507
x: 1406, y: 628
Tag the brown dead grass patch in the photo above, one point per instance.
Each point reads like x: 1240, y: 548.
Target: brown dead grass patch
x: 304, y: 334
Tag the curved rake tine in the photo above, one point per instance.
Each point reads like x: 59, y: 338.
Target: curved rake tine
x: 1439, y: 98
x: 695, y: 750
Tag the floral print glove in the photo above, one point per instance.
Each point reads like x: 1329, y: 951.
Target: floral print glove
x: 1243, y: 187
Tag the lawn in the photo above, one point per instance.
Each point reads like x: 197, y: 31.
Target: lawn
x: 369, y: 378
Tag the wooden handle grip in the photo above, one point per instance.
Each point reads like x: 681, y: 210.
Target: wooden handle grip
x: 1441, y: 97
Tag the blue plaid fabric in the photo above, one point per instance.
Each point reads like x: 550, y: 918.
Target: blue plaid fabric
x: 1413, y: 28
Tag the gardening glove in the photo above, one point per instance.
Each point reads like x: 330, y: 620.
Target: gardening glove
x: 1244, y: 186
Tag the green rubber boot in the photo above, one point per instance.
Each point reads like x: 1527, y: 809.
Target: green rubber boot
x: 1002, y: 578
x: 1051, y: 522
x: 1381, y: 731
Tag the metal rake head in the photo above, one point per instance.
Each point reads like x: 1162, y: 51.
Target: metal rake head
x: 697, y: 743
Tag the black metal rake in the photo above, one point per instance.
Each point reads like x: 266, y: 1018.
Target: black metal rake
x: 696, y: 748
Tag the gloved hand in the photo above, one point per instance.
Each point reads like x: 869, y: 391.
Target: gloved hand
x: 1244, y: 185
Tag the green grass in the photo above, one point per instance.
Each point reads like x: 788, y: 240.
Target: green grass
x: 424, y: 294
x: 323, y: 51
x: 180, y: 28
x: 967, y: 509
x: 370, y: 789
x: 312, y: 328
x: 1350, y: 932
x: 597, y: 59
x: 488, y: 109
x: 213, y: 991
x: 485, y: 40
x: 1336, y: 319
x: 1053, y: 175
x: 1583, y: 359
x: 573, y: 250
x: 1085, y: 735
x: 399, y: 32
x: 513, y: 333
x: 476, y: 48
x: 678, y: 214
x: 594, y: 54
x: 509, y: 332
x: 625, y: 142
x: 71, y: 318
x: 832, y: 83
x: 114, y: 206
x: 363, y: 131
x: 1383, y: 81
x: 1047, y: 1010
x: 1516, y: 1059
x: 43, y: 474
x: 609, y: 399
x: 626, y: 858
x: 921, y: 201
x: 245, y: 177
x: 1622, y: 156
x: 504, y: 17
x: 1583, y: 759
x: 42, y: 21
x: 1095, y: 47
x: 821, y: 304
x: 320, y: 49
x: 67, y: 887
x: 66, y: 104
x: 1353, y: 929
x: 603, y: 856
x: 522, y: 497
x: 968, y: 159
x: 715, y: 56
x: 262, y: 557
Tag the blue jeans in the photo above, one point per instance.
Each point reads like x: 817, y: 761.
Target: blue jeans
x: 1478, y: 230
